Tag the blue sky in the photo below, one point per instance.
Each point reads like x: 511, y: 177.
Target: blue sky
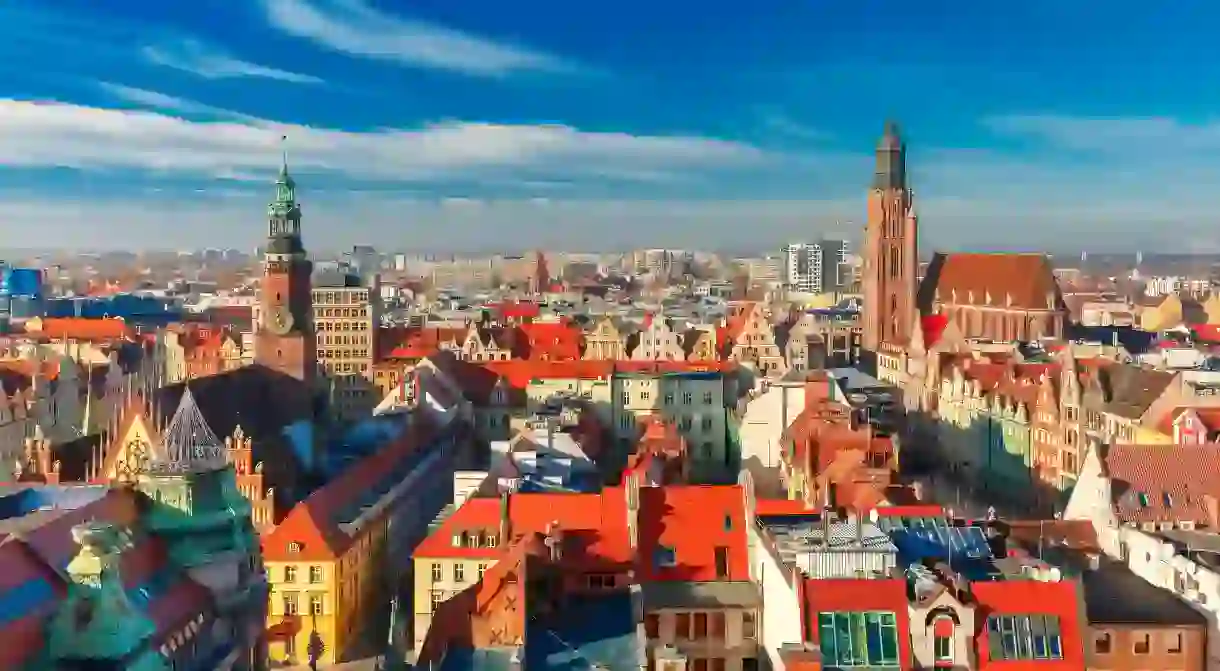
x: 477, y: 124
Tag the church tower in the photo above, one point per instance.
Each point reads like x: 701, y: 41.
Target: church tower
x: 891, y: 251
x: 285, y: 340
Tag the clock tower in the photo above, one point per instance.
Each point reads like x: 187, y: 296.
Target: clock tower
x: 284, y: 335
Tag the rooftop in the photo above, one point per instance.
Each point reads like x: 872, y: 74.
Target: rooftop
x: 1115, y: 595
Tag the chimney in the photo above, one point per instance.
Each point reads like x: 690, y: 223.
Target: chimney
x: 827, y: 513
x: 1211, y: 506
x: 631, y: 492
x: 506, y: 521
x: 554, y: 540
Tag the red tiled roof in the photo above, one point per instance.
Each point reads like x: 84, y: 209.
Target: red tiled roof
x: 1206, y: 332
x: 517, y: 309
x: 80, y: 328
x: 315, y: 524
x: 552, y: 341
x: 782, y: 507
x: 1162, y: 483
x: 692, y: 521
x: 1015, y: 281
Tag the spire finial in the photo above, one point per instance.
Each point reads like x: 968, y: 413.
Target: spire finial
x: 284, y: 155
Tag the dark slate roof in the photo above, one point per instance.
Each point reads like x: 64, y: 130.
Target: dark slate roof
x: 1131, y: 390
x: 1134, y: 340
x: 1115, y: 595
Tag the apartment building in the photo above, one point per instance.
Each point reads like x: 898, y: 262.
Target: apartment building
x: 816, y: 267
x: 347, y: 315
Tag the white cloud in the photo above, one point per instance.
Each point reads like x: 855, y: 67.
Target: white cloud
x: 352, y: 27
x: 35, y: 135
x: 1161, y: 135
x: 167, y: 103
x: 208, y: 62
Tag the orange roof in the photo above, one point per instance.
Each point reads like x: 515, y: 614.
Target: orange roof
x: 691, y: 523
x: 1016, y: 281
x: 80, y: 328
x: 1061, y: 599
x: 552, y: 341
x: 315, y: 523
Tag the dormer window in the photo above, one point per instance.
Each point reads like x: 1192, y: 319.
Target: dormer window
x: 664, y: 557
x: 294, y: 548
x: 1143, y: 499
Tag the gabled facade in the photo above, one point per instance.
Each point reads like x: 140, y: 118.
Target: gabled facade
x: 749, y: 338
x: 657, y: 341
x: 605, y: 341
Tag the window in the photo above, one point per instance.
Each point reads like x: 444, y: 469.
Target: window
x: 943, y: 648
x: 687, y: 398
x: 1173, y: 642
x: 664, y: 557
x: 707, y: 398
x: 291, y: 607
x: 482, y: 570
x: 1102, y: 643
x: 722, y: 562
x: 858, y: 639
x: 747, y: 625
x: 315, y: 604
x: 652, y: 625
x: 1024, y: 637
x: 1142, y: 644
x: 700, y: 632
x: 459, y: 572
x: 437, y: 598
x: 682, y: 625
x: 290, y: 574
x: 315, y: 574
x: 436, y: 572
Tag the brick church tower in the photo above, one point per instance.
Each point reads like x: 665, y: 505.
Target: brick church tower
x: 891, y: 249
x: 285, y: 340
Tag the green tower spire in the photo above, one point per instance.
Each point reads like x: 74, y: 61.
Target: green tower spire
x: 97, y: 625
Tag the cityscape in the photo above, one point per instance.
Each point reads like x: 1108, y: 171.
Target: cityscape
x: 841, y: 435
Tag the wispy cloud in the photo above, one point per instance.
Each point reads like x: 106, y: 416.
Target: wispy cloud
x: 1111, y: 135
x: 66, y: 135
x: 778, y: 122
x: 209, y: 62
x: 168, y: 103
x: 353, y: 27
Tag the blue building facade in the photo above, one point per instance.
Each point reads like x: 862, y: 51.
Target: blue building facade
x: 131, y: 308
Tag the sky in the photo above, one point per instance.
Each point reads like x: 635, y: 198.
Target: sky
x: 480, y: 124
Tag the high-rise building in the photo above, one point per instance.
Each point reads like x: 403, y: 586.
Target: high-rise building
x: 816, y: 267
x: 346, y: 316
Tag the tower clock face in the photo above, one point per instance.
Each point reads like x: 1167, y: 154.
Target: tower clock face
x: 279, y: 320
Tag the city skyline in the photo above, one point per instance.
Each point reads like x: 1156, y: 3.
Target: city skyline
x: 133, y: 126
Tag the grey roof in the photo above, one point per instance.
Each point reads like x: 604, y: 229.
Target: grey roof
x: 1115, y: 595
x: 1131, y: 390
x: 701, y: 595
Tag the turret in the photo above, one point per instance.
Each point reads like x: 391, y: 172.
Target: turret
x: 96, y: 627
